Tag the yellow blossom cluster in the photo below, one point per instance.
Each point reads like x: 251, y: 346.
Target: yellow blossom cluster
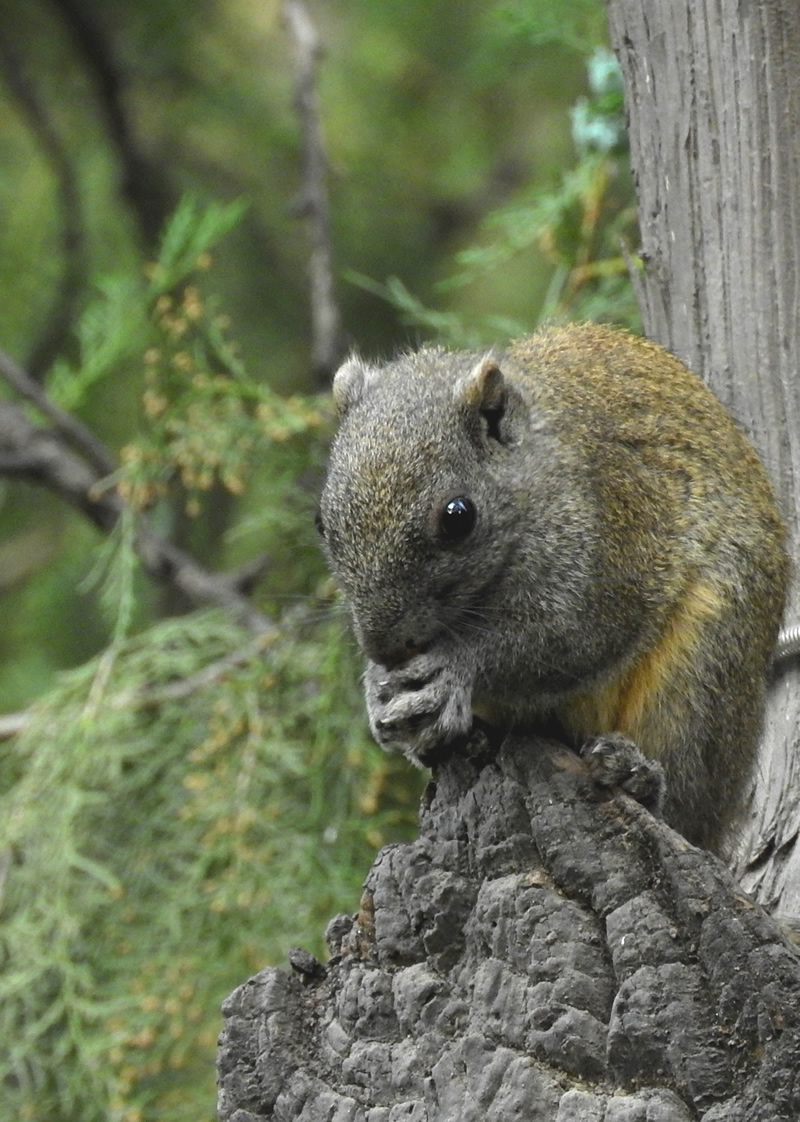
x: 205, y: 423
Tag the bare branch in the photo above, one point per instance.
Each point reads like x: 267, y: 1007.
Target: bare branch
x: 12, y: 724
x: 144, y: 183
x: 73, y: 240
x: 40, y: 456
x: 215, y: 671
x: 172, y: 565
x: 313, y: 203
x: 73, y: 431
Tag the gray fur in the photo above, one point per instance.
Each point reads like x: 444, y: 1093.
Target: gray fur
x: 621, y: 516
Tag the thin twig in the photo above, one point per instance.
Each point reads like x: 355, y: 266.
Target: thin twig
x: 73, y: 238
x: 144, y: 182
x: 202, y: 679
x: 39, y: 455
x: 313, y: 203
x: 172, y: 565
x: 74, y: 432
x: 151, y: 697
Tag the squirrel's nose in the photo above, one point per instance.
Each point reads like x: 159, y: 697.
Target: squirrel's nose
x: 392, y: 654
x: 392, y: 647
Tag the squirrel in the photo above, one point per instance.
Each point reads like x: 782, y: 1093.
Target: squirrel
x: 572, y: 528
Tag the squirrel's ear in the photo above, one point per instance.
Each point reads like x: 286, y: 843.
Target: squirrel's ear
x: 484, y: 390
x: 350, y: 382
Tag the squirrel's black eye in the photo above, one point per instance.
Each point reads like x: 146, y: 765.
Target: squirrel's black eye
x: 319, y: 523
x: 457, y: 519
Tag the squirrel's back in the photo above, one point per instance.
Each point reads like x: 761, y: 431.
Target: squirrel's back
x: 722, y: 570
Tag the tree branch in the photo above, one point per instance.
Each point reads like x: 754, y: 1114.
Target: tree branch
x: 40, y: 456
x: 12, y: 724
x: 73, y: 240
x: 73, y: 431
x: 144, y: 183
x: 313, y: 202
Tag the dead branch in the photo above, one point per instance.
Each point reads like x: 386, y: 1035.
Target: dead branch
x: 41, y: 457
x: 73, y: 237
x: 77, y: 435
x: 144, y: 183
x: 313, y: 203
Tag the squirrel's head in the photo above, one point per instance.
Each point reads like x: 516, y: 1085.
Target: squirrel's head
x: 418, y: 507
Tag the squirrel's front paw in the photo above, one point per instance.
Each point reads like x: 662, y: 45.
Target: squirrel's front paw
x: 614, y: 761
x: 417, y: 707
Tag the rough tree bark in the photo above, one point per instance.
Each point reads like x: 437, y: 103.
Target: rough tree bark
x: 537, y: 954
x: 713, y: 98
x: 534, y: 955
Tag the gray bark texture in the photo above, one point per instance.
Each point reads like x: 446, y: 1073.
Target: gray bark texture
x: 536, y: 954
x: 713, y: 98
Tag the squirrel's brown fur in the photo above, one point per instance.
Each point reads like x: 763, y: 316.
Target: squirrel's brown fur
x: 574, y: 526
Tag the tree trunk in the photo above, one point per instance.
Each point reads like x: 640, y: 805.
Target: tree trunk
x: 713, y: 99
x: 534, y: 955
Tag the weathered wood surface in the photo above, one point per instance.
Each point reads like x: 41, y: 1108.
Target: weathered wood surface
x: 712, y: 90
x: 536, y: 954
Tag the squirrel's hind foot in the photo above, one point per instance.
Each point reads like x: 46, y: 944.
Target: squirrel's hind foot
x: 612, y: 761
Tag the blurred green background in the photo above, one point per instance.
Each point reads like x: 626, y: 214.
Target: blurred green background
x: 155, y: 850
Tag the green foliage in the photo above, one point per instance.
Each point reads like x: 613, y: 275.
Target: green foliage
x: 208, y: 421
x: 107, y: 334
x: 578, y: 25
x: 190, y: 803
x: 115, y: 325
x: 598, y: 123
x: 187, y: 802
x: 114, y: 574
x: 192, y: 233
x: 204, y: 423
x: 158, y: 847
x: 583, y: 227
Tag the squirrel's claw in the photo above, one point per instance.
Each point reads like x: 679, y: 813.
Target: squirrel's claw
x: 416, y: 708
x: 614, y: 761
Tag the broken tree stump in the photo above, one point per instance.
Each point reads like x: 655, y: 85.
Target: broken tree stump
x: 536, y: 954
